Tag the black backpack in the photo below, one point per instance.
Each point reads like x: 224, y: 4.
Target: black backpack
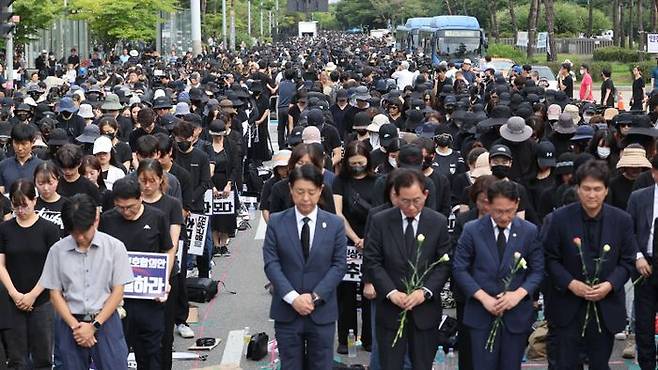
x: 200, y: 290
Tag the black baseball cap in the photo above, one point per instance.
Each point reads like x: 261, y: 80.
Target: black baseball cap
x: 546, y: 154
x: 387, y: 132
x: 500, y: 150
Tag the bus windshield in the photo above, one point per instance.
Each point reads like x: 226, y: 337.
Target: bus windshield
x: 458, y: 42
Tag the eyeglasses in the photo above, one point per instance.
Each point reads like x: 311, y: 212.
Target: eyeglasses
x: 416, y: 202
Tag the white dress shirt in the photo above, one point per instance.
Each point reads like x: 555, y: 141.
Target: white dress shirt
x: 414, y: 224
x: 506, y: 231
x: 313, y: 216
x: 649, y: 246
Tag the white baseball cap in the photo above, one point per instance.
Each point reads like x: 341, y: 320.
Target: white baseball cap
x: 102, y: 145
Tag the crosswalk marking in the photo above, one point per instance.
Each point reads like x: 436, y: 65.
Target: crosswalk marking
x: 234, y: 348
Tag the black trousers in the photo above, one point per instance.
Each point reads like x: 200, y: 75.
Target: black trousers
x: 646, y: 303
x: 282, y: 127
x: 347, y: 319
x: 144, y: 330
x: 464, y: 343
x: 421, y: 345
x: 570, y: 343
x: 169, y: 319
x: 182, y: 304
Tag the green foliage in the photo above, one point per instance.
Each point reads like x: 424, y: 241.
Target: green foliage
x: 114, y: 20
x: 619, y: 55
x: 595, y: 69
x: 35, y: 15
x: 376, y: 13
x: 570, y: 19
x: 506, y: 51
x: 646, y: 67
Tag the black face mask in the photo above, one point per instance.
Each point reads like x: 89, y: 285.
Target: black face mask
x: 500, y: 171
x: 449, y: 109
x: 111, y: 136
x: 358, y: 170
x: 427, y: 162
x: 443, y: 141
x: 361, y: 132
x: 67, y: 115
x: 184, y: 146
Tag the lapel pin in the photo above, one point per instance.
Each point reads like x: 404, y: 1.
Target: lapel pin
x: 514, y: 235
x: 324, y: 225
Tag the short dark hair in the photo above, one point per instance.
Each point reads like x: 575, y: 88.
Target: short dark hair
x: 503, y: 188
x: 147, y: 146
x: 78, y: 213
x: 406, y: 178
x: 21, y: 189
x: 23, y: 133
x: 594, y: 169
x: 47, y: 169
x: 585, y: 66
x: 307, y: 172
x: 481, y: 185
x: 126, y: 188
x: 183, y: 129
x: 68, y: 156
x: 146, y: 117
x: 606, y: 72
x: 165, y: 143
x: 566, y: 66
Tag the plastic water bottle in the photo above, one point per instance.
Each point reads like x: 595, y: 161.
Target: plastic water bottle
x: 246, y: 336
x: 439, y: 360
x: 451, y: 360
x: 351, y: 344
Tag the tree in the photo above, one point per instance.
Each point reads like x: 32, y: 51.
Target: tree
x: 35, y: 15
x: 512, y: 17
x: 590, y: 11
x: 640, y: 25
x: 111, y: 21
x: 533, y: 14
x: 550, y: 25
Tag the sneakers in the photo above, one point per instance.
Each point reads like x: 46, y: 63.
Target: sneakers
x: 224, y: 252
x: 620, y: 336
x: 184, y: 331
x: 629, y: 349
x: 221, y: 251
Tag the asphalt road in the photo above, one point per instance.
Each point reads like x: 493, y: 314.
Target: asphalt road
x: 243, y: 274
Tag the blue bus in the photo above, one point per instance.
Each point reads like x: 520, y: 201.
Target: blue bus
x: 407, y: 36
x: 453, y: 38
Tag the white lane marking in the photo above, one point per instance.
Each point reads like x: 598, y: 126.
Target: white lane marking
x: 234, y: 348
x: 260, y: 230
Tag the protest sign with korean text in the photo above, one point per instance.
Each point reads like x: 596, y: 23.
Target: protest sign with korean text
x: 197, y: 227
x: 151, y: 275
x: 217, y: 205
x: 354, y: 262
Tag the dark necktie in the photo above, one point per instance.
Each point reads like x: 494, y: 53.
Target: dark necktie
x: 410, y: 236
x: 654, y: 247
x: 501, y: 242
x: 306, y: 237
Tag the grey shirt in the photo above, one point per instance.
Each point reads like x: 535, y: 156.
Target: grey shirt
x: 86, y: 278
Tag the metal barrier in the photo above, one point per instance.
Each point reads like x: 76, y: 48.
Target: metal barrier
x: 568, y: 45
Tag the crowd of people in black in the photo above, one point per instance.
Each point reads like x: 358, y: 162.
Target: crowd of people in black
x: 101, y: 150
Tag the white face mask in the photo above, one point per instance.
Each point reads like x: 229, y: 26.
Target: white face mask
x: 393, y: 162
x: 603, y: 152
x: 374, y: 140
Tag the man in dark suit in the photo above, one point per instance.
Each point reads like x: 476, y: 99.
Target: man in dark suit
x: 484, y: 257
x: 643, y: 208
x: 305, y: 259
x: 390, y: 244
x: 588, y: 226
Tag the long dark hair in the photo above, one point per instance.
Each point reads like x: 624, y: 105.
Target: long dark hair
x: 352, y: 149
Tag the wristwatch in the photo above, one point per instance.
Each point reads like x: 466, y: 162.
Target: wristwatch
x: 97, y: 325
x: 427, y: 294
x: 316, y: 299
